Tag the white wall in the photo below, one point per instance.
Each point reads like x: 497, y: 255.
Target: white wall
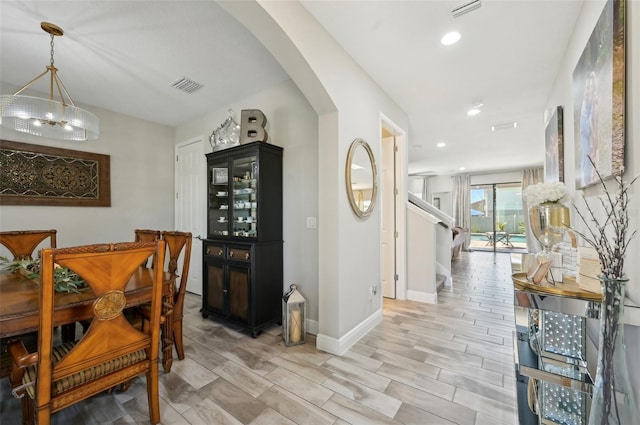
x: 421, y: 255
x: 562, y: 94
x: 293, y: 125
x: 349, y: 105
x: 141, y: 183
x: 444, y: 183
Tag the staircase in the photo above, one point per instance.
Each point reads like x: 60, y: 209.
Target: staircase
x: 428, y: 250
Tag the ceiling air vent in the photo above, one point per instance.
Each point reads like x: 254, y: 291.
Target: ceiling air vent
x: 465, y: 8
x: 185, y: 84
x: 504, y: 126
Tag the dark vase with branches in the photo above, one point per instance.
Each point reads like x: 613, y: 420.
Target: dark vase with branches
x: 613, y: 401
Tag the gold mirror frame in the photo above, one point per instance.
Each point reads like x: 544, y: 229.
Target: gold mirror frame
x: 356, y: 205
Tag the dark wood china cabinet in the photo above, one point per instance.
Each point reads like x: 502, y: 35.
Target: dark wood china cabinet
x: 242, y: 254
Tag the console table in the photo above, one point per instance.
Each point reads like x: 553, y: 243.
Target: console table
x: 555, y: 349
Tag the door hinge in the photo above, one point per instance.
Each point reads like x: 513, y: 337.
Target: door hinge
x: 395, y: 277
x: 395, y: 148
x: 177, y: 158
x: 176, y: 195
x: 395, y: 191
x: 395, y: 234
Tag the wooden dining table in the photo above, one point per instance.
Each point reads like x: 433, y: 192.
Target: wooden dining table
x: 19, y: 305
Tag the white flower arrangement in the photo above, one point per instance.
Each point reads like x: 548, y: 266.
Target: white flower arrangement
x: 541, y: 193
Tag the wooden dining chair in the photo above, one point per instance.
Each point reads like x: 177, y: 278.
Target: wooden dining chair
x: 178, y: 243
x: 147, y: 235
x: 112, y: 351
x: 22, y: 243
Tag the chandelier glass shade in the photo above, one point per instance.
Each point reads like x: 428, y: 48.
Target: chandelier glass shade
x: 56, y: 119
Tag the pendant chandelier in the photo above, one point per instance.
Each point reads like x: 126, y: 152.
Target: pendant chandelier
x: 48, y: 117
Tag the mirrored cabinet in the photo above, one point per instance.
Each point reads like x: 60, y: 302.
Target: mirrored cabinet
x: 556, y: 347
x: 242, y: 254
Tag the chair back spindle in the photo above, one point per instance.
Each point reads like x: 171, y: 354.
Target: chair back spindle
x: 177, y: 244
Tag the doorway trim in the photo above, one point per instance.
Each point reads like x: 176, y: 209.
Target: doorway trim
x: 194, y: 283
x: 401, y: 162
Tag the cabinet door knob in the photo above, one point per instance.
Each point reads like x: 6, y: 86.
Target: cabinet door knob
x: 225, y: 290
x: 230, y: 253
x: 246, y: 256
x: 220, y: 253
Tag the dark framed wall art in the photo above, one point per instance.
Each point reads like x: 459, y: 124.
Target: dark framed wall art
x: 599, y: 98
x: 43, y: 175
x: 554, y: 148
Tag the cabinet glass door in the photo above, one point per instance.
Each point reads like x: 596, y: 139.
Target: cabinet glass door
x: 245, y: 199
x: 218, y: 214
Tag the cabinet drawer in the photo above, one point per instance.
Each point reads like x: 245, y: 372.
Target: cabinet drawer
x: 239, y: 254
x: 215, y: 251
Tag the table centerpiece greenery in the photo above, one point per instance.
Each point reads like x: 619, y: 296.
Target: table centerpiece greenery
x: 65, y: 280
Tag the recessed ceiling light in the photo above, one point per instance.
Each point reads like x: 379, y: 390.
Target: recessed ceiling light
x: 450, y: 38
x: 441, y: 145
x: 473, y: 111
x: 475, y: 107
x: 461, y: 168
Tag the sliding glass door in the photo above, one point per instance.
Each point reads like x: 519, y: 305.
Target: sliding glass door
x: 497, y: 219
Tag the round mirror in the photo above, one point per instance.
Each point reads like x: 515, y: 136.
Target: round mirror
x: 361, y: 178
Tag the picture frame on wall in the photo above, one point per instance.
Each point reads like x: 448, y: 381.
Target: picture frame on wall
x: 554, y: 148
x: 599, y: 99
x: 44, y: 175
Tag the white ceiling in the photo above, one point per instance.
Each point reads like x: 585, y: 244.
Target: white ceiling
x: 123, y: 56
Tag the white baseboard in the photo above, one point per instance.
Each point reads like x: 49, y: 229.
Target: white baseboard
x: 312, y: 326
x: 423, y: 297
x: 339, y: 346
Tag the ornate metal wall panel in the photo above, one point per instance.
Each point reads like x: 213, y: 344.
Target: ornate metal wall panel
x: 42, y: 175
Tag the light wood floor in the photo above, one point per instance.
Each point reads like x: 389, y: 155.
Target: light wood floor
x: 450, y: 363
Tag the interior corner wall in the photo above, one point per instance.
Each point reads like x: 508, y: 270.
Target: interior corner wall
x: 332, y: 81
x: 293, y: 125
x: 141, y: 183
x: 562, y: 94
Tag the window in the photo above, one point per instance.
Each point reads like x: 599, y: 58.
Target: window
x: 497, y: 218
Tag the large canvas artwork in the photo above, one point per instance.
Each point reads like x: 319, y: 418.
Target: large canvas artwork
x: 554, y: 148
x: 599, y: 98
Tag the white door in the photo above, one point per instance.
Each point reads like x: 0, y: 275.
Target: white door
x: 387, y: 204
x: 190, y: 203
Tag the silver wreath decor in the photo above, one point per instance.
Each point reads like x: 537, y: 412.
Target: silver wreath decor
x: 226, y: 135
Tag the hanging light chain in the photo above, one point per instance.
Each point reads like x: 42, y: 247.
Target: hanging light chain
x: 52, y: 37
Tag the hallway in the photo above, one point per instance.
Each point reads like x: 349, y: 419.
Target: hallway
x: 450, y: 363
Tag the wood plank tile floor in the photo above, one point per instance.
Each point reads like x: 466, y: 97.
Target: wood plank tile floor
x: 450, y: 363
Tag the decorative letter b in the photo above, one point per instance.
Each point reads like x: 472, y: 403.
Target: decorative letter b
x: 252, y: 126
